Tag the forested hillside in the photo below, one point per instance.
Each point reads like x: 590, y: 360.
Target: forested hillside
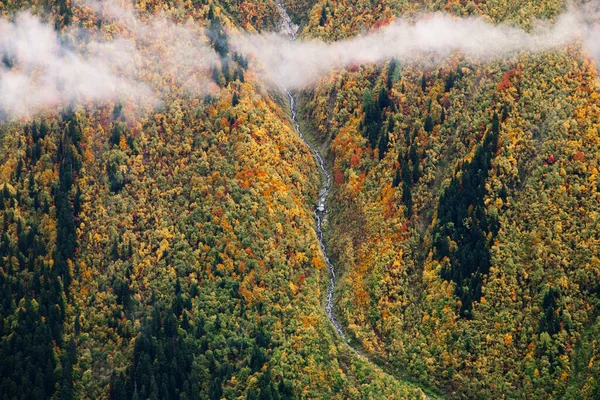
x: 169, y: 250
x: 170, y: 253
x: 466, y: 208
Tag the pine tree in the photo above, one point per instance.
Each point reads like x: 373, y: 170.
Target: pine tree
x: 393, y: 64
x: 428, y: 124
x: 383, y: 98
x: 323, y: 18
x: 383, y: 144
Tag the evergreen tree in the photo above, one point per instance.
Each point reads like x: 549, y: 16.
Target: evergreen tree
x: 383, y: 98
x: 323, y: 18
x: 428, y: 124
x: 372, y: 119
x: 383, y: 144
x: 463, y: 200
x: 392, y: 66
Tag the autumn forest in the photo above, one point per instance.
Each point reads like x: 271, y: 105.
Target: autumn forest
x: 185, y: 214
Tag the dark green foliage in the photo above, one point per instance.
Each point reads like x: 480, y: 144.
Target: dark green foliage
x: 392, y: 66
x: 26, y: 356
x: 8, y: 61
x: 385, y: 138
x: 383, y: 98
x: 35, y: 297
x: 404, y: 176
x: 463, y: 219
x: 323, y: 17
x: 74, y: 131
x: 218, y: 38
x: 241, y: 61
x: 66, y: 239
x: 397, y: 178
x: 226, y: 71
x: 551, y: 319
x: 69, y: 358
x: 449, y: 83
x: 428, y: 124
x: 372, y: 119
x: 116, y: 177
x: 216, y: 75
x: 238, y: 74
x: 414, y: 161
x: 406, y: 189
x: 118, y: 130
x: 64, y: 9
x: 408, y: 172
x: 177, y: 358
x: 123, y: 293
x: 77, y: 201
x: 162, y: 361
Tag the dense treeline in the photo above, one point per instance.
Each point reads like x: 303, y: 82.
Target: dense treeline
x: 171, y: 253
x: 173, y: 359
x: 35, y: 279
x: 463, y: 224
x: 168, y: 253
x: 467, y: 245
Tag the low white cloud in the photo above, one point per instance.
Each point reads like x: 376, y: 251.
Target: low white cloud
x: 300, y: 63
x: 153, y: 57
x: 40, y: 68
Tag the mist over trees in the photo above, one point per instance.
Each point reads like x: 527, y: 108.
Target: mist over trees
x: 157, y: 233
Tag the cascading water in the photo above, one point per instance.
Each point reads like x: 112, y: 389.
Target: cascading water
x: 321, y: 207
x: 320, y: 211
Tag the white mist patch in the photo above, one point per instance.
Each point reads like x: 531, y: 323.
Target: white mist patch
x: 38, y: 71
x: 177, y: 50
x: 40, y: 68
x: 153, y: 57
x: 300, y: 63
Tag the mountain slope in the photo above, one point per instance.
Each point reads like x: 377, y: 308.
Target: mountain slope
x: 170, y: 253
x: 468, y: 247
x: 166, y: 247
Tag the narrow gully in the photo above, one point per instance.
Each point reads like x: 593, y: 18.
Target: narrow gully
x: 321, y: 207
x: 320, y: 210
